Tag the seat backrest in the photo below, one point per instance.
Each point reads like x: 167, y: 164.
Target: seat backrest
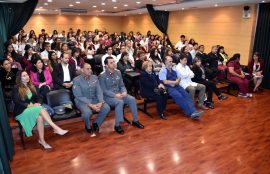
x: 59, y: 97
x: 98, y: 58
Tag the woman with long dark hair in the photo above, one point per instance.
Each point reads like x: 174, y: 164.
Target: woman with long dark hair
x: 29, y: 111
x: 41, y: 77
x: 155, y: 58
x: 7, y: 78
x: 255, y: 67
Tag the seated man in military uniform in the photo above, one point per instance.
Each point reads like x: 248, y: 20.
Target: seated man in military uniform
x: 89, y: 98
x: 115, y: 94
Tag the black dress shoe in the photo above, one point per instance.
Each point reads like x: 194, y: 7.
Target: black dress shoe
x: 210, y: 105
x: 162, y: 116
x: 137, y: 124
x: 119, y: 130
x: 95, y: 127
x: 90, y: 131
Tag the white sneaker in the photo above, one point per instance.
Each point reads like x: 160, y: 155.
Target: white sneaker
x: 249, y: 94
x: 242, y: 95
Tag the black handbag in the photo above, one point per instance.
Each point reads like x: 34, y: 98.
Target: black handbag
x: 160, y: 91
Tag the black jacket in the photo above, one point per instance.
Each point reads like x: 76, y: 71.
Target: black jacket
x: 197, y: 74
x: 204, y: 58
x: 213, y: 60
x: 148, y: 83
x: 58, y: 75
x: 20, y: 104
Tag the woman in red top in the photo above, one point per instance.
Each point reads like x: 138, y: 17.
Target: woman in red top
x: 237, y: 76
x: 255, y: 67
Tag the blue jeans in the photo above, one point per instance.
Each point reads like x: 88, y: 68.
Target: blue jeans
x: 183, y: 100
x: 119, y: 104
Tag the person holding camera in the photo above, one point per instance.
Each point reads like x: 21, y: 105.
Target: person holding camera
x: 152, y: 88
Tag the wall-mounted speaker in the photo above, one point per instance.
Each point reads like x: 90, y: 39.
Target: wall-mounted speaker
x: 246, y: 12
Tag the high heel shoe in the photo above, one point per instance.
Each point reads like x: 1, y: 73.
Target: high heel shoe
x: 45, y: 145
x: 61, y: 132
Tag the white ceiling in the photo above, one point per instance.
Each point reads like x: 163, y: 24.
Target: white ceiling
x: 128, y: 7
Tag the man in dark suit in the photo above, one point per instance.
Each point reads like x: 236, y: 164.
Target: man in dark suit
x: 207, y: 63
x: 64, y: 73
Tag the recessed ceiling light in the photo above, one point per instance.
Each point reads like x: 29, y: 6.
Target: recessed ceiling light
x: 125, y: 5
x: 102, y: 10
x: 40, y: 7
x: 183, y: 8
x: 153, y: 0
x: 46, y: 3
x: 78, y: 2
x: 263, y: 1
x: 94, y: 6
x: 165, y: 10
x: 216, y: 5
x: 103, y: 3
x: 139, y: 13
x: 71, y: 5
x: 115, y: 7
x: 56, y: 10
x: 49, y: 0
x: 38, y: 13
x: 138, y: 2
x: 113, y: 0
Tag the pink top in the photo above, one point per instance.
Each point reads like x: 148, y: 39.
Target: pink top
x: 47, y: 75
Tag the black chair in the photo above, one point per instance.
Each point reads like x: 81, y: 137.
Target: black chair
x: 21, y: 134
x: 59, y: 98
x: 146, y: 101
x: 98, y: 64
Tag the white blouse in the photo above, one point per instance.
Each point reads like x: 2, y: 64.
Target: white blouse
x: 185, y: 74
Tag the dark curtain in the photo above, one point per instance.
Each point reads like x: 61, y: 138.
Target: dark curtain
x: 262, y: 40
x: 13, y: 17
x: 6, y: 141
x: 160, y: 18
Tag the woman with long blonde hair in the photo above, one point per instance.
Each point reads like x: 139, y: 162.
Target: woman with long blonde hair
x: 29, y: 111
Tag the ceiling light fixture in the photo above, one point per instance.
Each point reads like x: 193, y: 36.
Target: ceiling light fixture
x: 125, y: 5
x: 113, y: 0
x: 102, y: 10
x: 46, y: 3
x: 103, y: 3
x: 78, y: 2
x: 115, y: 7
x: 94, y: 6
x: 40, y: 7
x: 49, y: 0
x: 183, y: 8
x: 216, y: 5
x: 263, y: 1
x: 138, y: 2
x: 71, y: 5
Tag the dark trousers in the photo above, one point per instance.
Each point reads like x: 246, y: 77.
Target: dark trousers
x: 161, y: 101
x: 210, y: 89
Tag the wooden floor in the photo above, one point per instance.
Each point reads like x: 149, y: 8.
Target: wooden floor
x: 234, y: 138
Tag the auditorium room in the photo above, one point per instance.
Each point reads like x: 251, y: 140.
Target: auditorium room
x: 134, y: 87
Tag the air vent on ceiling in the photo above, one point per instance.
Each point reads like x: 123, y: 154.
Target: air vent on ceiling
x: 73, y: 10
